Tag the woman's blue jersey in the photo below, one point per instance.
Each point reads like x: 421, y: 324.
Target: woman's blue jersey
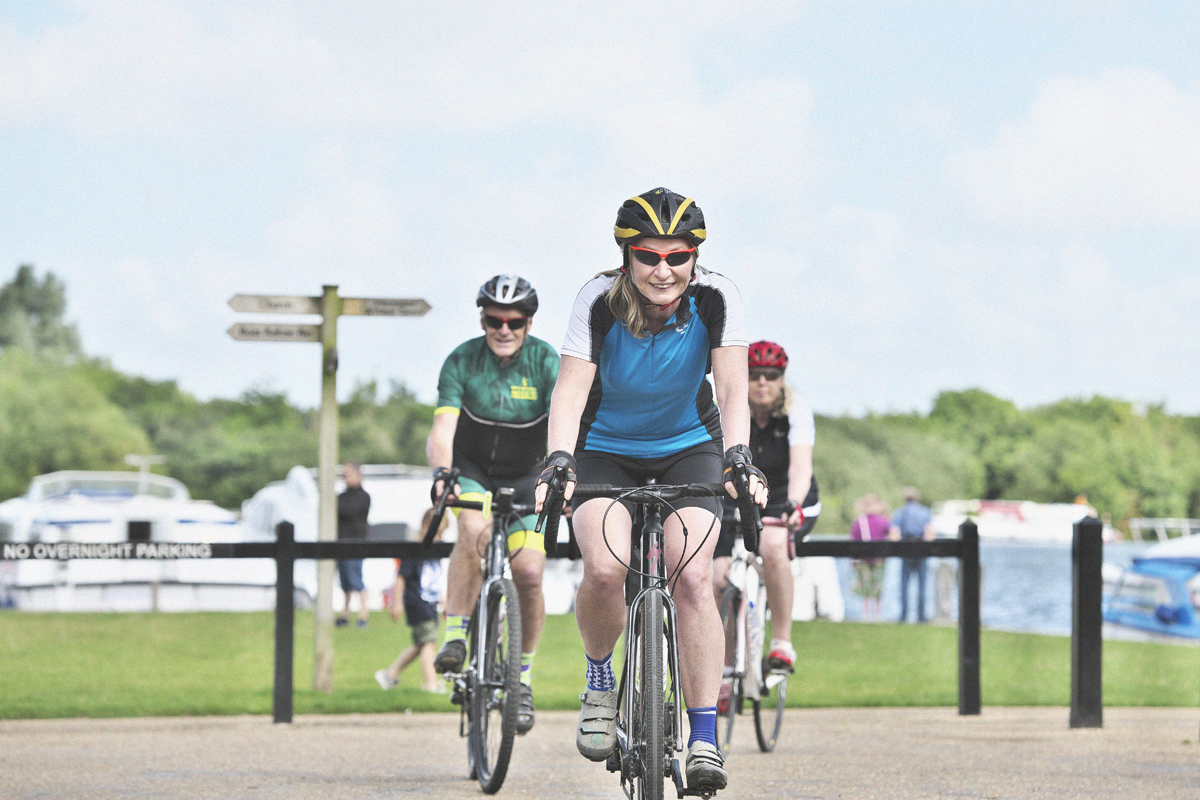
x: 650, y: 397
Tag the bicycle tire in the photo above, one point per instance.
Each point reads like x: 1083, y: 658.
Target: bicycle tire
x: 768, y: 711
x: 770, y: 696
x: 729, y: 610
x: 494, y: 696
x: 649, y: 717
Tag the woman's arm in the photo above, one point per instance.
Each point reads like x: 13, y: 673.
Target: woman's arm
x: 570, y: 396
x: 732, y: 390
x: 732, y: 387
x: 800, y: 473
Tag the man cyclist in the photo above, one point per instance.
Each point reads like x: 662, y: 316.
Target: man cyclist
x: 490, y: 424
x: 633, y: 402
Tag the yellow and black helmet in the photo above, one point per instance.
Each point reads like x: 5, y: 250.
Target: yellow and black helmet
x: 660, y: 214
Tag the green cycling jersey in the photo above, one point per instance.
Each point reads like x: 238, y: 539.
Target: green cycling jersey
x: 503, y: 408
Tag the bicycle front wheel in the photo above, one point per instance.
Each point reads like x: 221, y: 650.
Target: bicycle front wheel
x: 730, y: 608
x: 768, y: 710
x: 648, y: 734
x: 496, y: 664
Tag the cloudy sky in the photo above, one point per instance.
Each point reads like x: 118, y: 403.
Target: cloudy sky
x: 912, y: 196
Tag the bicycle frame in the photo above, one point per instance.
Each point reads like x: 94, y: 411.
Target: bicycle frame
x: 652, y: 592
x: 743, y: 604
x: 746, y: 575
x: 495, y: 563
x: 652, y: 580
x: 492, y: 674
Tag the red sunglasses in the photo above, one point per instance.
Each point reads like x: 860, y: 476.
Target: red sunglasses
x: 496, y: 323
x: 675, y: 258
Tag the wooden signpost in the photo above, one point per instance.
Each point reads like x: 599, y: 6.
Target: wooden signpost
x: 330, y: 307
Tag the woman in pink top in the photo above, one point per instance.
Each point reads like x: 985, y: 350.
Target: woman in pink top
x: 870, y: 524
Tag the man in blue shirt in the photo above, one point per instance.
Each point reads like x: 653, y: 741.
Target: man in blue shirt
x: 912, y: 521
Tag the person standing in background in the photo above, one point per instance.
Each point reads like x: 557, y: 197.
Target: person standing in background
x: 416, y: 596
x: 912, y: 521
x: 352, y: 507
x: 870, y: 524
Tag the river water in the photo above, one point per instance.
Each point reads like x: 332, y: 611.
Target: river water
x: 1025, y: 586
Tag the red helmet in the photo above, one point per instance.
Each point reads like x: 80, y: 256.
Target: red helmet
x: 768, y: 354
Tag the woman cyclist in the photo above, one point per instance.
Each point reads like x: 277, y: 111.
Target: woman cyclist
x: 632, y: 402
x: 782, y: 434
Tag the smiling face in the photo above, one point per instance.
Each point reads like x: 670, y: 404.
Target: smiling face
x: 504, y: 341
x: 661, y: 283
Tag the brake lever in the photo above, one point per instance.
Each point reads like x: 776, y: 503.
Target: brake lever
x: 439, y: 510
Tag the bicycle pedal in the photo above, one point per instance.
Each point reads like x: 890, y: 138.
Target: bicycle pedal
x: 613, y: 762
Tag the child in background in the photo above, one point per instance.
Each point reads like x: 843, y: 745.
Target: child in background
x: 418, y: 593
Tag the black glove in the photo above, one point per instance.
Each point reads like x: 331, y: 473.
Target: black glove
x: 557, y: 460
x: 439, y: 474
x: 737, y: 455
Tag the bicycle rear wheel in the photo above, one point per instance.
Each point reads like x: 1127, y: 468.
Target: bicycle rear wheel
x: 496, y: 662
x: 648, y: 724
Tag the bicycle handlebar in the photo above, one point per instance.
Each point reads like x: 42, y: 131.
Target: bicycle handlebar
x: 747, y: 508
x: 552, y: 506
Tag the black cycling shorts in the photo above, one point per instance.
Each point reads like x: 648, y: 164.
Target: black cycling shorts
x: 699, y: 464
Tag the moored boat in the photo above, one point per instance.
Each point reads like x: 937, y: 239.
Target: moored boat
x: 66, y: 519
x: 1159, y: 593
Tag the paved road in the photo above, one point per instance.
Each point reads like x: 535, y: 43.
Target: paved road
x: 890, y: 754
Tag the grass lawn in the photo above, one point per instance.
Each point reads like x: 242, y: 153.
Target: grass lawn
x: 127, y: 665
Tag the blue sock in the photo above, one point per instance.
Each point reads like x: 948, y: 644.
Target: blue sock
x: 600, y: 677
x: 703, y: 722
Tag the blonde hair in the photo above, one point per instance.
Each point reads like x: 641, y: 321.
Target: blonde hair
x: 626, y: 302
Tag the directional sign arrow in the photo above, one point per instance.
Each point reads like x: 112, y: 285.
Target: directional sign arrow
x: 385, y: 306
x: 275, y: 304
x: 272, y: 332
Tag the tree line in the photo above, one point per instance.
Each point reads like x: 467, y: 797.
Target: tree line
x: 61, y: 409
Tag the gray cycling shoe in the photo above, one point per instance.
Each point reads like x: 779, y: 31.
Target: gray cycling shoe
x: 705, y: 767
x: 451, y: 657
x: 525, y: 709
x: 596, y: 736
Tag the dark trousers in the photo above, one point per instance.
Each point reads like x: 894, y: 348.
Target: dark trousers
x: 908, y: 568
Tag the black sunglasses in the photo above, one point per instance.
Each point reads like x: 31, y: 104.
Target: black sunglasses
x: 496, y: 323
x: 675, y: 258
x: 770, y: 373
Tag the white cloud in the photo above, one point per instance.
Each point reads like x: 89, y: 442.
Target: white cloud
x: 146, y: 66
x: 1121, y: 149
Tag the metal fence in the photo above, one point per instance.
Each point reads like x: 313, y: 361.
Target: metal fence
x: 1086, y: 700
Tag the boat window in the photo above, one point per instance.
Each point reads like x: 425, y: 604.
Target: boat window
x: 1142, y: 592
x: 139, y: 530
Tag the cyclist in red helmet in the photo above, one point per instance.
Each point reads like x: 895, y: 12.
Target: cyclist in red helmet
x: 782, y: 434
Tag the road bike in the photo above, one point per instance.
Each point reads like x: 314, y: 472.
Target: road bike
x: 650, y: 702
x: 743, y: 607
x: 487, y: 688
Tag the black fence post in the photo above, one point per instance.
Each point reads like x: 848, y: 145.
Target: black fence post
x: 1087, y: 556
x: 969, y: 696
x: 285, y: 618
